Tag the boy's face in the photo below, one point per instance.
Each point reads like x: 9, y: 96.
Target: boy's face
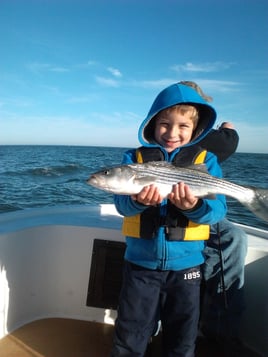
x: 173, y: 129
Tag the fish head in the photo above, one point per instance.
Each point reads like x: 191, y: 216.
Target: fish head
x: 117, y: 180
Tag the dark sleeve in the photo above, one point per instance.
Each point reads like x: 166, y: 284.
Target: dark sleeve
x: 222, y: 142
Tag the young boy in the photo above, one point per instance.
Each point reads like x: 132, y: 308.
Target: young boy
x: 165, y: 237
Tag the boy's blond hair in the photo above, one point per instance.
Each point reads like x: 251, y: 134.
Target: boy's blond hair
x: 182, y: 109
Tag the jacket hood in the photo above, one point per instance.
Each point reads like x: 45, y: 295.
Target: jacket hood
x: 172, y: 95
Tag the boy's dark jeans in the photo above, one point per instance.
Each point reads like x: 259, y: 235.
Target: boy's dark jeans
x: 143, y: 291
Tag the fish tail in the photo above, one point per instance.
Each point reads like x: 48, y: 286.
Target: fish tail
x: 259, y: 203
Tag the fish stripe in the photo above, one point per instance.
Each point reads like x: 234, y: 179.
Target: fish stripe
x: 200, y: 179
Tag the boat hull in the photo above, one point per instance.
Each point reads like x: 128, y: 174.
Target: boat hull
x: 46, y: 257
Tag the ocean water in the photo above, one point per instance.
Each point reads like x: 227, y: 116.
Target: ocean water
x: 42, y: 176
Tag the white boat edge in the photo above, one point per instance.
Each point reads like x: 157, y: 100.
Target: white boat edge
x: 45, y: 259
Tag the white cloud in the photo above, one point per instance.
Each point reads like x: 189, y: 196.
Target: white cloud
x: 201, y: 67
x: 20, y: 102
x: 153, y: 84
x: 82, y: 99
x: 58, y: 69
x: 218, y: 85
x: 114, y: 71
x: 91, y: 63
x: 107, y: 82
x: 37, y: 67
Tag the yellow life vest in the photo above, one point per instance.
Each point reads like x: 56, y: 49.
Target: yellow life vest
x: 177, y: 226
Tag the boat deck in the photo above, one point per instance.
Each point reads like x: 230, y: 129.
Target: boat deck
x: 58, y: 337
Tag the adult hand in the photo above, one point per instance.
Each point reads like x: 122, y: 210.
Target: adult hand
x: 227, y: 125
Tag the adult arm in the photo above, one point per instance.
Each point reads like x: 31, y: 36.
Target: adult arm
x: 222, y: 142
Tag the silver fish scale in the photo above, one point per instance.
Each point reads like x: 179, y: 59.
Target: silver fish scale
x: 166, y: 175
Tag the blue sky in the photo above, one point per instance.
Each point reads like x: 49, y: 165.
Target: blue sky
x: 86, y: 72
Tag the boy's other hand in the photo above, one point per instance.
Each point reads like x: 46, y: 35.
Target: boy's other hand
x: 149, y: 196
x: 182, y: 196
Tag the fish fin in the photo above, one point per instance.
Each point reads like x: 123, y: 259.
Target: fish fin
x: 259, y: 204
x: 198, y: 167
x: 210, y: 196
x: 159, y: 163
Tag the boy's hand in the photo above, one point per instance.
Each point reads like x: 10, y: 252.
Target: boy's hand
x: 149, y: 196
x: 182, y: 197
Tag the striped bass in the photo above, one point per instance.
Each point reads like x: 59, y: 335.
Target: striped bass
x: 130, y: 179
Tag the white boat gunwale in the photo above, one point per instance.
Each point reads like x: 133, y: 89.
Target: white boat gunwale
x: 57, y: 242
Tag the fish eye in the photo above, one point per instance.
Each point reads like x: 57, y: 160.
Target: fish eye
x: 106, y: 172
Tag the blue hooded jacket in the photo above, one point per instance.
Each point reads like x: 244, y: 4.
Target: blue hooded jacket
x: 158, y: 252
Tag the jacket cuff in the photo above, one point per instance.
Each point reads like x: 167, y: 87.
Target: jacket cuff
x: 196, y: 207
